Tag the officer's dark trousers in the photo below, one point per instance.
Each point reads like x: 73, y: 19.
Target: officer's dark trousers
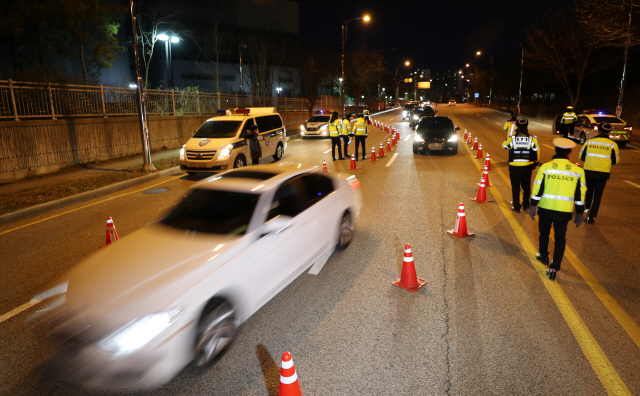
x: 360, y: 140
x: 345, y: 141
x: 520, y: 178
x: 335, y: 141
x: 564, y: 130
x: 596, y: 181
x: 559, y: 220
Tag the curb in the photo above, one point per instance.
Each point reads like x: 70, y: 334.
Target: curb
x: 82, y: 197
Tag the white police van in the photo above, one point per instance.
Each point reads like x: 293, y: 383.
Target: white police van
x: 219, y: 143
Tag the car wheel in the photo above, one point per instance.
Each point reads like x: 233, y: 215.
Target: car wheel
x: 191, y: 173
x: 215, y: 331
x: 279, y: 151
x: 622, y: 144
x: 455, y: 150
x: 583, y: 138
x: 415, y: 149
x: 239, y: 162
x: 345, y: 234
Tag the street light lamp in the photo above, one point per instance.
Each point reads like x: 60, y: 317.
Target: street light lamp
x: 279, y: 90
x: 167, y: 49
x: 366, y: 18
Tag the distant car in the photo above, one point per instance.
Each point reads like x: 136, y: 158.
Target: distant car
x: 436, y: 134
x: 406, y: 111
x: 316, y: 126
x: 452, y: 102
x: 586, y: 127
x: 137, y: 312
x: 418, y: 113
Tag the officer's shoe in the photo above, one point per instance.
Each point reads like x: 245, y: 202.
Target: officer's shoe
x: 551, y: 273
x: 590, y: 220
x: 335, y: 159
x: 364, y: 158
x: 513, y: 208
x: 341, y: 158
x: 543, y: 260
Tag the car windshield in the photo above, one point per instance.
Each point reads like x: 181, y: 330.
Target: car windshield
x: 213, y: 212
x: 609, y: 119
x: 424, y: 112
x: 318, y: 119
x: 218, y: 129
x: 437, y: 126
x: 408, y: 107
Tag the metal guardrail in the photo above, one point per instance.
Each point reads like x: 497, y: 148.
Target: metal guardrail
x: 25, y: 100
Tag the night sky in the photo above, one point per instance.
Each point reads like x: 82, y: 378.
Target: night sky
x: 430, y: 34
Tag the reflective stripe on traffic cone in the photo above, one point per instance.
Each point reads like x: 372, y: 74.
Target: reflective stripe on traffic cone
x: 289, y: 385
x: 353, y: 163
x: 381, y: 153
x: 479, y: 153
x: 469, y: 138
x: 373, y: 154
x: 461, y: 224
x: 324, y: 167
x: 482, y: 193
x: 475, y: 144
x: 393, y: 139
x: 487, y: 162
x: 485, y: 174
x: 112, y: 234
x: 388, y: 144
x: 408, y: 279
x: 464, y: 137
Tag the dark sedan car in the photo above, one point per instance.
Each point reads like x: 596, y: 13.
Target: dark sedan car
x: 435, y: 134
x: 418, y: 113
x: 406, y: 111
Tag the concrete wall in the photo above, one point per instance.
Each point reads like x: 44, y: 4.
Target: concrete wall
x: 29, y: 148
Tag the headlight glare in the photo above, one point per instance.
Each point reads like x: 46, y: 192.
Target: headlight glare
x: 415, y: 117
x: 139, y: 332
x: 302, y: 128
x: 453, y: 138
x: 225, y: 152
x: 182, y: 152
x: 418, y: 138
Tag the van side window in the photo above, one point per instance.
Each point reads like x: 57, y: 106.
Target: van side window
x: 276, y: 121
x: 263, y: 124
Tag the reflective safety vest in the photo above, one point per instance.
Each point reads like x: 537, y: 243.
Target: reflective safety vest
x: 334, y: 127
x: 599, y: 154
x: 569, y: 118
x: 510, y: 127
x: 360, y: 128
x: 559, y: 185
x: 346, y: 125
x: 523, y: 149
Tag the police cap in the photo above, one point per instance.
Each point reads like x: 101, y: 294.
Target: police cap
x: 522, y: 123
x: 604, y: 127
x: 569, y: 107
x: 564, y: 143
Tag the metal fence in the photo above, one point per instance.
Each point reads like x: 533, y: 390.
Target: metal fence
x: 334, y: 101
x: 24, y: 100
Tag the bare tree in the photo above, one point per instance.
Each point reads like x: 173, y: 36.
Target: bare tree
x: 361, y: 71
x: 265, y: 54
x: 609, y: 21
x: 211, y: 50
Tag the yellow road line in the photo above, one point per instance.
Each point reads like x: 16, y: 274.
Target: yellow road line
x: 16, y: 311
x: 391, y: 160
x: 632, y: 183
x: 599, y: 362
x: 91, y: 204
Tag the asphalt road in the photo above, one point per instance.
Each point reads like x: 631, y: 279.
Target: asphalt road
x: 488, y: 321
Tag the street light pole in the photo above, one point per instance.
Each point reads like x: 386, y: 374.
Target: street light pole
x: 491, y: 86
x: 366, y: 18
x: 624, y: 68
x: 521, y: 71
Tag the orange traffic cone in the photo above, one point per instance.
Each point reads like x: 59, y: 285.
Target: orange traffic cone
x: 381, y: 153
x: 482, y: 193
x: 461, y: 224
x: 479, y: 153
x: 353, y: 163
x: 408, y: 279
x: 469, y: 138
x: 324, y: 167
x: 487, y: 162
x: 393, y: 139
x: 289, y: 385
x: 386, y: 128
x: 464, y: 137
x: 373, y: 154
x: 485, y: 174
x: 388, y: 144
x: 112, y: 234
x: 475, y: 144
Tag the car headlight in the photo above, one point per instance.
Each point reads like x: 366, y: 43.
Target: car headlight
x: 404, y: 113
x: 225, y: 152
x: 324, y: 127
x: 137, y: 333
x: 415, y: 117
x: 453, y: 138
x: 324, y: 133
x: 302, y: 128
x: 418, y: 138
x: 182, y: 151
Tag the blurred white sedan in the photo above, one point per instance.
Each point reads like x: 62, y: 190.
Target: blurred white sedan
x: 139, y: 311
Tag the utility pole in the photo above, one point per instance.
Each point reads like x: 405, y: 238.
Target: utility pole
x: 624, y: 68
x: 147, y: 166
x: 521, y: 71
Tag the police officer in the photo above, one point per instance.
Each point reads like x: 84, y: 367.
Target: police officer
x: 510, y: 125
x: 557, y: 188
x: 361, y: 131
x: 567, y: 123
x: 524, y: 154
x: 334, y: 132
x: 598, y: 155
x: 345, y: 134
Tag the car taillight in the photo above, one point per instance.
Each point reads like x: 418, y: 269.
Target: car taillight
x: 353, y: 182
x: 628, y: 128
x: 595, y: 128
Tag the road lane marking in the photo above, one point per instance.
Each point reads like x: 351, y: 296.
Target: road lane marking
x: 391, y: 160
x: 407, y: 138
x: 603, y: 368
x: 327, y: 151
x: 546, y: 145
x: 632, y: 183
x: 16, y: 311
x: 88, y: 205
x: 485, y: 118
x: 498, y: 123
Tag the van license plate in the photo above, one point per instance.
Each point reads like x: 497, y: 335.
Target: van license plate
x: 198, y: 165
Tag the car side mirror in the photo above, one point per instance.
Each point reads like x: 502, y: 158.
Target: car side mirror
x: 457, y: 128
x: 276, y: 225
x: 435, y: 111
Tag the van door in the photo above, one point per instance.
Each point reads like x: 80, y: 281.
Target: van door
x: 268, y: 140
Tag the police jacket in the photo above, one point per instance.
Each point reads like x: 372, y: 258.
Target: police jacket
x: 334, y: 127
x: 599, y: 154
x: 360, y: 127
x: 254, y: 144
x: 559, y: 185
x: 346, y: 126
x: 523, y: 149
x: 568, y: 118
x: 510, y: 125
